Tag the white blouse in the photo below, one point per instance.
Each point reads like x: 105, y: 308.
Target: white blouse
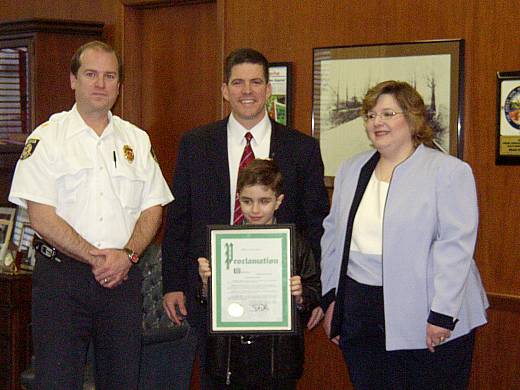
x: 366, y: 248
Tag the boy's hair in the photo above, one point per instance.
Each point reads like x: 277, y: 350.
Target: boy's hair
x: 263, y: 172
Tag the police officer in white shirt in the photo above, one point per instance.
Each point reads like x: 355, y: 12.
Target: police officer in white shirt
x: 94, y: 194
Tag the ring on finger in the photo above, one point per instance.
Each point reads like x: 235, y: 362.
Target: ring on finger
x: 105, y: 281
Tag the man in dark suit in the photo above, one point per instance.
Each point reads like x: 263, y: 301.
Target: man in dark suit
x: 204, y: 182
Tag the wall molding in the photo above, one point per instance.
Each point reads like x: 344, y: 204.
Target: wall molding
x: 504, y: 302
x: 35, y: 25
x: 161, y: 3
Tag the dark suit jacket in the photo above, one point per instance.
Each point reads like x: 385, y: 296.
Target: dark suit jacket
x: 201, y: 190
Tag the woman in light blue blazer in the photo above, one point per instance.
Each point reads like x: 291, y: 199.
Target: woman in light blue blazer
x: 402, y: 293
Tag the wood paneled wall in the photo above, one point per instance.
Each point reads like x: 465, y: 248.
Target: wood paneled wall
x: 289, y: 30
x: 173, y: 58
x: 173, y: 84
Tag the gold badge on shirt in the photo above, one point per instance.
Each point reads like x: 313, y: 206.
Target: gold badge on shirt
x: 129, y: 153
x: 29, y: 148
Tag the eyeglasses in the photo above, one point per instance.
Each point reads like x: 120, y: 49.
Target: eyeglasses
x: 385, y: 115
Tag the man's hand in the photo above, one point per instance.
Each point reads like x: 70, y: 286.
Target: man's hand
x: 435, y: 335
x: 113, y: 270
x: 316, y: 316
x: 172, y: 301
x: 327, y: 322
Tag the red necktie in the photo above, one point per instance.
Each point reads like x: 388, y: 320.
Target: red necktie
x: 247, y: 157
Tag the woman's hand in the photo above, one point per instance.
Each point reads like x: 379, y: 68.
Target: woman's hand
x: 327, y: 322
x: 297, y: 289
x: 316, y: 317
x: 204, y: 270
x: 435, y: 335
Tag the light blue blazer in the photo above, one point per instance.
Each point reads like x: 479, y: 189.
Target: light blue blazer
x: 429, y: 234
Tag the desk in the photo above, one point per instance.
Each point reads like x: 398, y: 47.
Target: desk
x: 15, y: 334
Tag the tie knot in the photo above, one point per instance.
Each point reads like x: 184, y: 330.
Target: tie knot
x: 249, y: 137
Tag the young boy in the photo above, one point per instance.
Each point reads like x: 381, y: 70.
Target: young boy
x: 264, y: 362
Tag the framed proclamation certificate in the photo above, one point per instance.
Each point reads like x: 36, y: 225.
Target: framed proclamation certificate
x: 249, y: 291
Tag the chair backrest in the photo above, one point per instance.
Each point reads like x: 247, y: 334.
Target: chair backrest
x: 157, y: 326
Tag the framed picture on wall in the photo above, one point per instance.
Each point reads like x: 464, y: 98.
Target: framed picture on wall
x: 279, y: 105
x: 343, y: 75
x: 508, y: 118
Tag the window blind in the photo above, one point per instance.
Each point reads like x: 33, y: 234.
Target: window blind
x: 14, y: 104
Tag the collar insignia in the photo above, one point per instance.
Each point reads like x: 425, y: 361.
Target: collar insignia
x: 129, y: 153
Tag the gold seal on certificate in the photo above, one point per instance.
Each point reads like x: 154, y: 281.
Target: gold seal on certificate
x: 250, y: 285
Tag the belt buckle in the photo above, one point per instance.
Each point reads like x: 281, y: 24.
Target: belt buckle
x: 48, y: 252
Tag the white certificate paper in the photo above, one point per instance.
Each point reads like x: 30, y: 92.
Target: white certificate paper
x: 250, y: 284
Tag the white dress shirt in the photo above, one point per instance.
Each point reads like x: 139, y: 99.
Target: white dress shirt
x: 236, y: 142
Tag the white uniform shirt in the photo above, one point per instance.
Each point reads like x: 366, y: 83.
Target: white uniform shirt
x: 98, y: 184
x: 236, y: 142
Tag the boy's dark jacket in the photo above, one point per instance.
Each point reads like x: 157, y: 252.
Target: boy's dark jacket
x: 286, y: 352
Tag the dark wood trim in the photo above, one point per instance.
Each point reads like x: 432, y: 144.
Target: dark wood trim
x: 15, y: 338
x: 221, y: 55
x: 29, y: 26
x: 131, y: 43
x: 161, y: 3
x: 9, y: 154
x: 504, y: 302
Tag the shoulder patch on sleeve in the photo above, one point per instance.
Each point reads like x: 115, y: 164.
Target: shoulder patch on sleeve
x: 29, y: 148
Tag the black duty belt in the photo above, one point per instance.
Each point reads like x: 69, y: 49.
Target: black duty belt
x: 47, y: 250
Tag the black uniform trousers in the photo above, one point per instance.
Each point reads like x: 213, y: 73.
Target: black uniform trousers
x: 371, y: 367
x: 70, y: 310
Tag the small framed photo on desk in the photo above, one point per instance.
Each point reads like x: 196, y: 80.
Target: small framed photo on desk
x: 7, y: 218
